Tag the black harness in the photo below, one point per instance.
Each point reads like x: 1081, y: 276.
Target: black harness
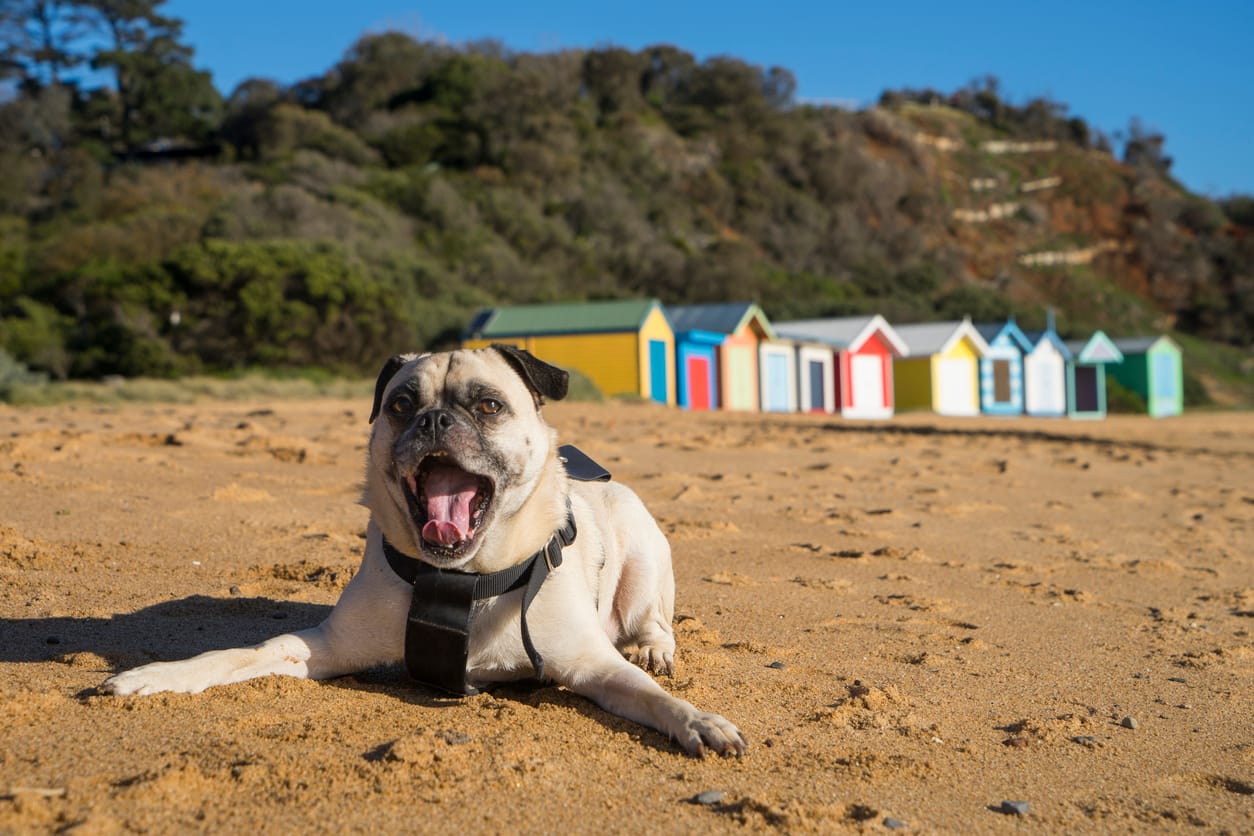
x: 437, y: 631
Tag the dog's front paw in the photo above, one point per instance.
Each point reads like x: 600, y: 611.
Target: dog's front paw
x: 655, y: 658
x: 153, y: 679
x: 704, y: 731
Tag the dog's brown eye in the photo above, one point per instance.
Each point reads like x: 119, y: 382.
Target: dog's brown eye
x: 490, y: 406
x: 402, y: 405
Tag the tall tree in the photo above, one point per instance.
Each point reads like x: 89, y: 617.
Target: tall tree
x: 38, y: 39
x: 612, y: 78
x: 1143, y: 149
x: 159, y: 94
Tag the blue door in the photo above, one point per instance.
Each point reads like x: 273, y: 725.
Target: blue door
x: 1164, y: 395
x: 776, y: 383
x: 657, y: 371
x: 1164, y: 366
x: 817, y: 379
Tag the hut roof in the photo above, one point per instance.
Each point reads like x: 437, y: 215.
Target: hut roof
x: 717, y: 317
x: 1140, y: 345
x: 562, y: 318
x: 841, y: 332
x: 927, y: 338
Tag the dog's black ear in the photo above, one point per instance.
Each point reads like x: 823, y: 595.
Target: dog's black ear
x: 391, y: 367
x: 545, y: 381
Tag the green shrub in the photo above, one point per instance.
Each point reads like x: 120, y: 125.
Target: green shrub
x: 582, y: 388
x: 980, y: 303
x: 288, y: 128
x: 38, y: 335
x: 283, y: 303
x: 1195, y: 391
x: 1122, y: 400
x: 13, y: 374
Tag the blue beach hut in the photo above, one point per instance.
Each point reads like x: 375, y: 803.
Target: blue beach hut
x: 697, y: 369
x: 1001, y: 368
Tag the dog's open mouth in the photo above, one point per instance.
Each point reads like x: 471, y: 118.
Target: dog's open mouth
x: 448, y: 504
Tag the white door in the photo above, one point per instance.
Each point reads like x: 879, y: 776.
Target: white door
x: 956, y: 382
x: 1046, y: 384
x: 867, y: 371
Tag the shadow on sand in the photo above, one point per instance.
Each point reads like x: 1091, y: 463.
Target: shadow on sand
x: 162, y: 632
x: 178, y: 629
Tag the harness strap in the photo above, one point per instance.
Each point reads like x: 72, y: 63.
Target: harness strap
x: 552, y: 558
x: 437, y: 632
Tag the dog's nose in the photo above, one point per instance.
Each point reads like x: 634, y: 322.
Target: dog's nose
x: 434, y: 421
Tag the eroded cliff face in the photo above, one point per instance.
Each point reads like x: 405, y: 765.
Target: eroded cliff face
x: 1048, y: 222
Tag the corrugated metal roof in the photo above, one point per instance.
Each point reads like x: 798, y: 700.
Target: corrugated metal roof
x: 989, y: 330
x: 1140, y: 345
x: 838, y: 332
x: 841, y: 332
x: 1035, y: 337
x: 926, y: 338
x: 563, y: 318
x: 992, y: 330
x: 717, y: 317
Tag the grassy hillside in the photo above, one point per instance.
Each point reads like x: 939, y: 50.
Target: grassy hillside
x: 375, y: 207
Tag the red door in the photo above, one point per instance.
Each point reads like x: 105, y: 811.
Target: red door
x: 698, y: 383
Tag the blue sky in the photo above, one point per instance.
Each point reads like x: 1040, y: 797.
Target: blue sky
x: 1184, y: 69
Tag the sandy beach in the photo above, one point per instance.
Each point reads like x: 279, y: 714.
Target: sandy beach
x: 913, y: 622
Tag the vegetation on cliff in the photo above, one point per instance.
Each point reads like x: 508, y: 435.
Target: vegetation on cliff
x: 149, y: 226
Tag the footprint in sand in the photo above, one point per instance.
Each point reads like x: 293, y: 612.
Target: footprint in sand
x: 234, y: 492
x: 731, y: 579
x: 830, y: 584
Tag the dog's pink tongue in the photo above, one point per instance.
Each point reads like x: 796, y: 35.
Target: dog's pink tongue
x: 449, y: 490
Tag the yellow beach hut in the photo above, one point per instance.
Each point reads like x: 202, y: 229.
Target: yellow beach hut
x: 941, y: 368
x: 626, y: 347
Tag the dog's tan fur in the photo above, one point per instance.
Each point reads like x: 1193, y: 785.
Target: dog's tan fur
x: 612, y: 595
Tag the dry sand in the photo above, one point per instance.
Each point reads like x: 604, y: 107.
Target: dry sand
x: 912, y: 622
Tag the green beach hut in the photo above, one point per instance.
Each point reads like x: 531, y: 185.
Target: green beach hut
x: 1153, y: 367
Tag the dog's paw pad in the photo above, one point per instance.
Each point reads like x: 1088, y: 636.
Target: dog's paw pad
x: 714, y: 733
x: 659, y: 660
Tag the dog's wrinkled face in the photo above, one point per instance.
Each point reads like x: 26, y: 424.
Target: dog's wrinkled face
x: 458, y: 446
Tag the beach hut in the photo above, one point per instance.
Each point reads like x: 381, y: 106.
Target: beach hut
x: 742, y: 326
x: 816, y: 378
x: 777, y: 376
x: 1045, y: 374
x: 940, y: 370
x: 697, y: 369
x: 1001, y: 369
x: 1086, y: 375
x: 626, y: 347
x: 864, y: 348
x: 1153, y: 367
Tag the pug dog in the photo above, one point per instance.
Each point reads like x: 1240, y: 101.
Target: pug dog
x: 464, y: 476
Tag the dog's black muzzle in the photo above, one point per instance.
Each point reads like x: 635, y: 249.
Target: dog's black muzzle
x: 434, y: 423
